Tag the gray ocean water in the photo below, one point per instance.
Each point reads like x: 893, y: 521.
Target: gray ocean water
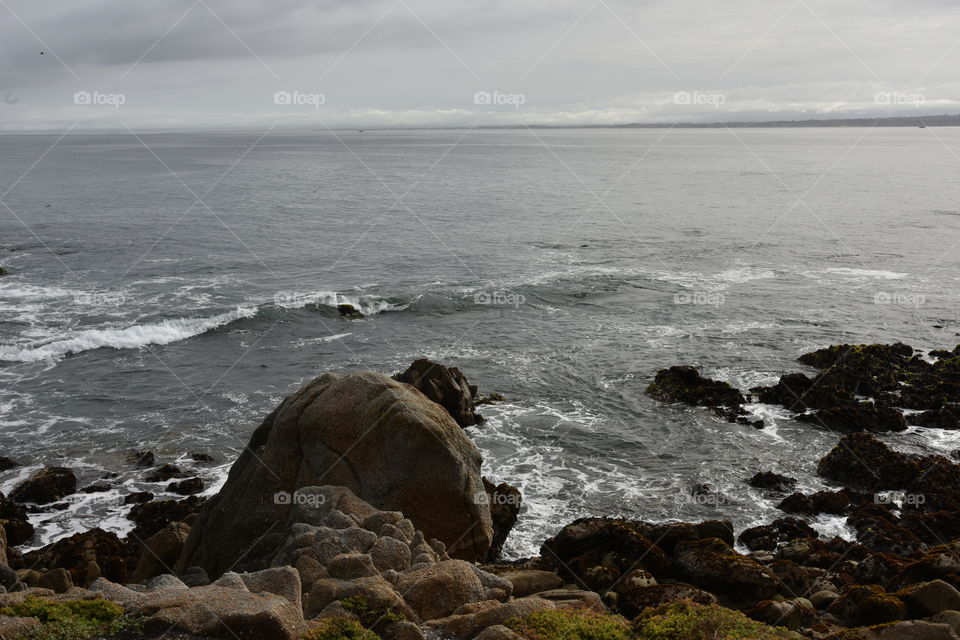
x: 166, y: 292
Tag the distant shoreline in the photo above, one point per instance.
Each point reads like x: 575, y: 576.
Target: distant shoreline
x: 943, y: 120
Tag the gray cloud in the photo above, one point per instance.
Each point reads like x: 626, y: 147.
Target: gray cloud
x: 421, y: 62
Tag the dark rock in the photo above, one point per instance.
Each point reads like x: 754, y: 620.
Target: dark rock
x: 798, y: 393
x: 8, y: 463
x: 685, y: 384
x: 582, y: 548
x: 45, y: 486
x: 490, y: 398
x: 879, y: 529
x: 862, y: 417
x: 349, y: 311
x: 96, y: 488
x: 867, y: 605
x: 165, y: 472
x: 862, y: 461
x: 946, y: 417
x: 151, y: 517
x: 186, y: 487
x: 142, y: 458
x: 161, y: 551
x: 768, y: 537
x: 772, y: 481
x: 202, y: 457
x: 446, y: 386
x: 797, y: 503
x: 504, y: 500
x: 86, y: 556
x: 713, y: 565
x: 138, y: 497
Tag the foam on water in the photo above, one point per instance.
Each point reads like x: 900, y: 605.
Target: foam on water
x: 368, y: 305
x: 133, y: 337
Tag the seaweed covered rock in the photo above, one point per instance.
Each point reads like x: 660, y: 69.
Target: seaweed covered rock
x: 860, y: 417
x: 45, y: 486
x: 713, y: 565
x: 798, y: 393
x: 867, y: 605
x: 598, y: 551
x: 86, y: 556
x: 860, y: 460
x: 768, y: 537
x: 381, y: 439
x: 772, y: 481
x: 685, y: 384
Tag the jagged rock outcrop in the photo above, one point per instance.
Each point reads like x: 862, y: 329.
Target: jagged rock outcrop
x: 447, y: 386
x: 382, y: 439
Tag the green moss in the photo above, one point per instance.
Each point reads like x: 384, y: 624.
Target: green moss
x: 701, y: 622
x: 340, y: 629
x: 370, y: 617
x: 71, y: 620
x: 571, y: 624
x: 3, y: 271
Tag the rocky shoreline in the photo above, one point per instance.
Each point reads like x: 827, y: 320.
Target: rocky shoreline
x: 358, y: 511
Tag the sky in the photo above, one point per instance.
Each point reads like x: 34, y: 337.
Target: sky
x: 118, y: 64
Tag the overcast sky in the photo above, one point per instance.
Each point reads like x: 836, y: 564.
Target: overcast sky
x: 366, y: 63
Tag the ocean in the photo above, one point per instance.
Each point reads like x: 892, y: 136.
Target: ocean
x: 167, y: 290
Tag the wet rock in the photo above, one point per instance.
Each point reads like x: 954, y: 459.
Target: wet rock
x: 446, y: 386
x: 188, y: 487
x: 151, y: 517
x: 201, y: 457
x: 772, y: 481
x: 8, y: 463
x: 798, y: 393
x: 45, y: 486
x: 165, y: 472
x: 768, y: 537
x: 138, y: 497
x: 685, y: 384
x: 861, y: 461
x: 141, y: 458
x: 349, y: 312
x: 864, y: 417
x: 505, y: 501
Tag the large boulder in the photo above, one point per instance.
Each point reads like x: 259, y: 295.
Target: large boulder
x: 437, y: 590
x: 446, y: 386
x: 381, y: 439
